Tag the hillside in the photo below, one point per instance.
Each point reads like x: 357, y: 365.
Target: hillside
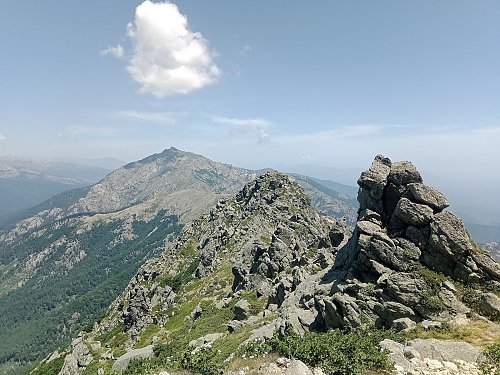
x: 26, y: 183
x: 494, y: 248
x: 263, y: 267
x: 74, y: 253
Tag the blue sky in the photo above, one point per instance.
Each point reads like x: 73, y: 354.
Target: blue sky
x: 270, y: 83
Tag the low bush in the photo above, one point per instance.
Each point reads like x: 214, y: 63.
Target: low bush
x: 337, y: 352
x: 491, y: 365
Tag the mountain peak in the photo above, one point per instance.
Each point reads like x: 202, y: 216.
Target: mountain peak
x: 264, y: 261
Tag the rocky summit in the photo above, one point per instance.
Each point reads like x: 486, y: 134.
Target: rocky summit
x: 262, y: 272
x: 407, y: 261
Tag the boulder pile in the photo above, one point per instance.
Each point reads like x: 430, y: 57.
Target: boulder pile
x: 407, y: 262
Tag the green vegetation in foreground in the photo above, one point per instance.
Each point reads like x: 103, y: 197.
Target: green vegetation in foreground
x: 337, y: 352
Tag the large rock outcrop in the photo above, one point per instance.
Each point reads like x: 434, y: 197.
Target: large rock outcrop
x: 404, y: 263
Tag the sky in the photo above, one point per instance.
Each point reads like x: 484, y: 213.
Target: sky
x: 256, y: 84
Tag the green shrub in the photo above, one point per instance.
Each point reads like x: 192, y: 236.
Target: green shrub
x: 182, y: 278
x: 336, y: 352
x: 432, y: 302
x: 492, y: 363
x: 203, y: 362
x: 50, y: 368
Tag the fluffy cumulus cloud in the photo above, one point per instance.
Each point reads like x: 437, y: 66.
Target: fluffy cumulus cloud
x: 258, y: 125
x: 2, y: 137
x: 168, y: 58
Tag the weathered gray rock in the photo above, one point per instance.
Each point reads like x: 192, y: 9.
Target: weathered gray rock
x: 406, y: 288
x: 403, y: 173
x: 205, y: 341
x: 444, y: 350
x: 374, y: 179
x: 367, y: 227
x: 429, y: 196
x: 76, y: 361
x: 242, y: 310
x: 282, y: 366
x: 432, y: 356
x: 487, y: 264
x: 234, y: 325
x: 449, y: 236
x: 413, y: 214
x: 489, y: 305
x: 403, y: 324
x: 122, y: 362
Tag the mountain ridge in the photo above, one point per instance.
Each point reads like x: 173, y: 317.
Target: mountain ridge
x: 62, y: 238
x: 264, y: 263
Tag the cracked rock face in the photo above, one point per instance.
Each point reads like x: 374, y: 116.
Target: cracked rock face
x: 402, y: 260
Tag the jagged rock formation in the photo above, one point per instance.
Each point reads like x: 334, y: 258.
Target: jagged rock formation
x: 266, y: 261
x: 80, y: 243
x: 247, y: 251
x: 269, y: 236
x: 404, y: 263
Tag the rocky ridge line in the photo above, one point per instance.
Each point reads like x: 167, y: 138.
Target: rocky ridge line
x: 406, y: 262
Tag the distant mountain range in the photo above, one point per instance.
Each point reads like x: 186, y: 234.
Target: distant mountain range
x: 25, y: 183
x: 65, y: 260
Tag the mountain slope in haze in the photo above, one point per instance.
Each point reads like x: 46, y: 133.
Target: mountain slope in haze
x: 25, y: 183
x: 339, y: 189
x: 263, y: 266
x: 493, y: 248
x: 75, y: 252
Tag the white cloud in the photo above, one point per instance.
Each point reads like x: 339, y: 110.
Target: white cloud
x: 247, y: 122
x: 2, y: 137
x: 168, y: 58
x: 257, y: 125
x: 157, y: 117
x: 116, y: 51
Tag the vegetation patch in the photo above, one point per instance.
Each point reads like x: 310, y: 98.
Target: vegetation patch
x: 479, y: 333
x: 266, y: 239
x: 337, y: 352
x: 147, y: 335
x: 431, y: 302
x: 472, y: 294
x: 491, y: 365
x: 180, y: 279
x: 433, y: 278
x: 49, y: 368
x: 108, y: 337
x: 256, y: 304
